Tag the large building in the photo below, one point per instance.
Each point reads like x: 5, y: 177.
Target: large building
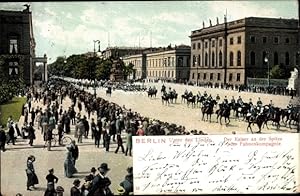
x: 117, y: 52
x: 168, y: 64
x: 17, y: 45
x: 232, y: 51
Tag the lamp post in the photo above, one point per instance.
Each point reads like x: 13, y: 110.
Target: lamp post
x: 267, y: 61
x: 197, y: 72
x: 94, y: 79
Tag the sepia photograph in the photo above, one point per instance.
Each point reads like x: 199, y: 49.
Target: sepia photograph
x: 149, y: 97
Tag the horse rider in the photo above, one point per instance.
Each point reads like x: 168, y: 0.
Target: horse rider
x: 290, y: 108
x: 250, y: 102
x: 239, y: 100
x: 186, y: 92
x: 174, y: 91
x: 225, y: 102
x: 218, y: 98
x: 232, y: 100
x: 209, y: 97
x: 190, y: 94
x: 150, y: 89
x: 259, y: 102
x: 271, y: 105
x: 205, y: 94
x: 163, y: 88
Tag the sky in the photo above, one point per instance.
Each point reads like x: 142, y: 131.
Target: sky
x: 66, y: 28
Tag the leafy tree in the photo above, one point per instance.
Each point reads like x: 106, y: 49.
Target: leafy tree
x: 103, y: 69
x: 280, y: 72
x: 127, y: 70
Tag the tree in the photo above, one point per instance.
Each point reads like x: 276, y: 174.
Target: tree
x: 128, y: 70
x: 103, y: 69
x: 280, y: 72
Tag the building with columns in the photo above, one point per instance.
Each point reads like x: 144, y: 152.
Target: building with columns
x: 168, y: 63
x: 232, y: 51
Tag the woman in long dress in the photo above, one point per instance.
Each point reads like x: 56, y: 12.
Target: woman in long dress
x: 31, y: 176
x: 69, y: 164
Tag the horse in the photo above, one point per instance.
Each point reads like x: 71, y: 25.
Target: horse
x: 192, y: 100
x: 165, y: 98
x: 184, y: 97
x: 108, y: 91
x: 242, y: 109
x: 208, y: 109
x: 200, y: 99
x: 224, y: 111
x: 152, y: 92
x: 173, y: 97
x: 259, y: 120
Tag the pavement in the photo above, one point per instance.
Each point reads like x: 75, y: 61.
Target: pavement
x: 13, y: 162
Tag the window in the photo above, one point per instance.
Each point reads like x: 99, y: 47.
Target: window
x: 252, y: 39
x: 198, y: 76
x: 13, y: 69
x: 276, y: 40
x: 168, y: 74
x: 193, y: 76
x: 230, y: 77
x: 239, y: 56
x: 213, y: 43
x: 231, y: 41
x: 297, y: 57
x: 211, y: 77
x: 252, y: 58
x: 204, y: 76
x: 213, y: 59
x: 180, y: 61
x: 238, y: 77
x: 169, y: 61
x: 179, y: 74
x: 220, y: 59
x: 199, y: 60
x: 206, y: 59
x: 219, y: 76
x: 13, y: 46
x: 287, y: 40
x: 172, y: 74
x: 231, y: 59
x: 276, y: 62
x: 206, y: 44
x: 264, y: 40
x: 194, y: 60
x: 239, y: 40
x: 264, y: 55
x: 220, y: 42
x: 173, y: 58
x: 287, y: 58
x: 199, y: 45
x: 194, y: 46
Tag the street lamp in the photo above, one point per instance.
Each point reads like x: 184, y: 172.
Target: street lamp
x: 94, y: 79
x: 267, y: 61
x: 197, y: 72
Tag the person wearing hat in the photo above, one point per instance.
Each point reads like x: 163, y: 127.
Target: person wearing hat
x: 31, y: 176
x: 120, y: 143
x: 2, y: 139
x: 75, y: 191
x: 51, y: 178
x: 127, y: 183
x: 69, y: 164
x: 101, y: 183
x: 59, y: 191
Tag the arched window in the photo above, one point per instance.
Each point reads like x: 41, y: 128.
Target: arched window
x: 239, y: 56
x: 213, y: 59
x: 220, y: 59
x: 252, y: 58
x: 231, y: 59
x: 276, y: 62
x: 206, y: 59
x: 287, y: 58
x: 199, y: 60
x: 264, y: 55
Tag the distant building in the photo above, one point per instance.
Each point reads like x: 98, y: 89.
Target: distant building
x: 232, y: 51
x: 168, y: 64
x: 117, y: 52
x: 139, y: 65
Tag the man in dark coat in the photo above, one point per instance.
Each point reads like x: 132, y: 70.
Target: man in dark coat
x: 101, y: 183
x: 75, y: 191
x: 127, y: 184
x: 2, y: 139
x: 86, y: 127
x: 31, y: 134
x: 74, y: 151
x: 11, y: 134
